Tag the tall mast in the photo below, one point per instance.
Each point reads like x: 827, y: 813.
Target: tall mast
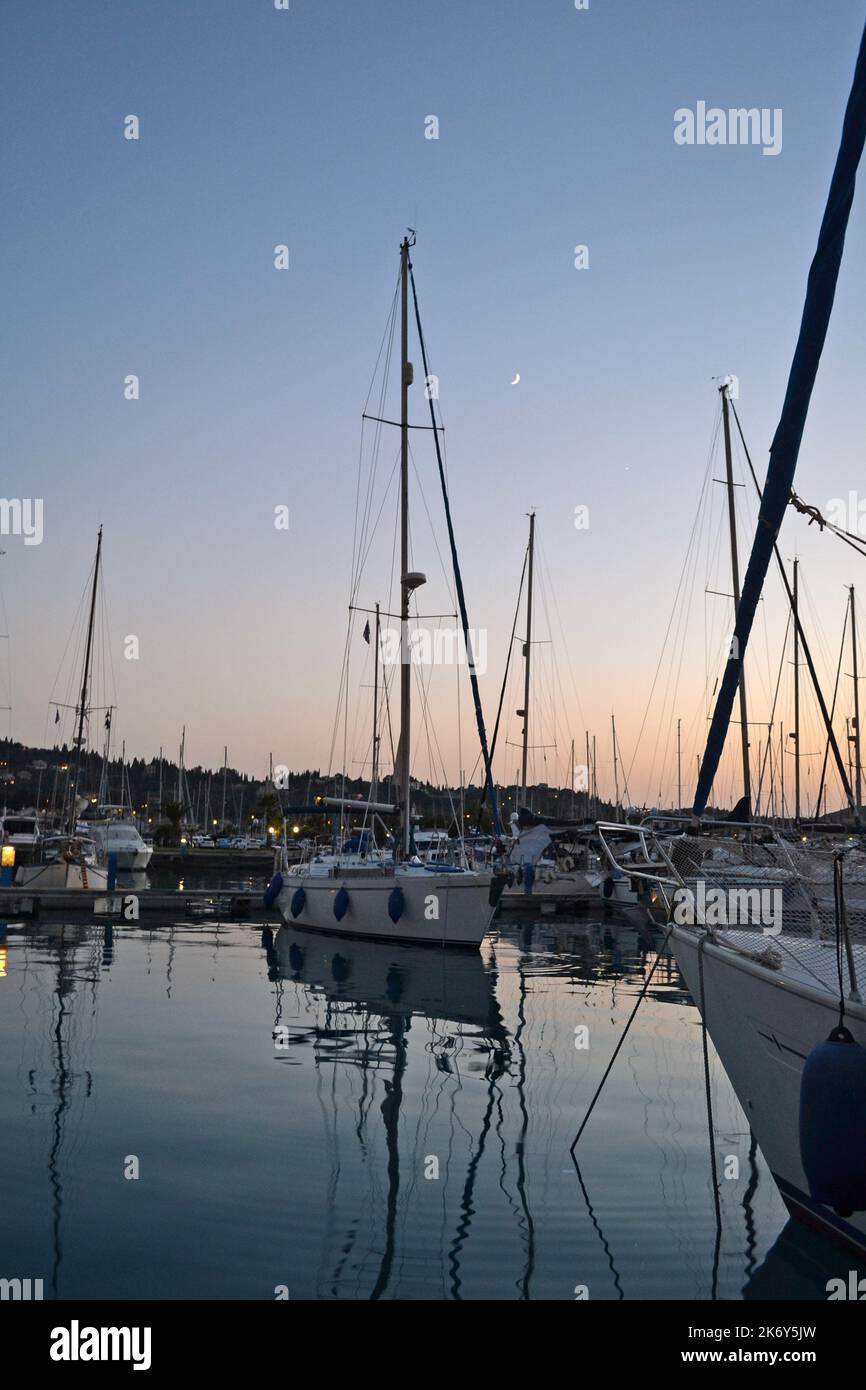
x: 408, y: 581
x: 374, y: 771
x: 679, y: 766
x: 796, y: 699
x: 849, y: 739
x: 527, y: 655
x: 594, y: 777
x: 104, y: 793
x: 735, y: 576
x: 85, y: 683
x: 857, y: 768
x: 225, y: 769
x: 615, y: 767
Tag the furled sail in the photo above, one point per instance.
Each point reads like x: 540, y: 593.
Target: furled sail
x: 820, y: 292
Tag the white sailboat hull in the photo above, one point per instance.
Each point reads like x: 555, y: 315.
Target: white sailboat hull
x: 620, y: 894
x: 439, y: 909
x: 763, y: 1025
x: 70, y: 877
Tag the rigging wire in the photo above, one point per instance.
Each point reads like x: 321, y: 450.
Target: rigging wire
x: 689, y: 564
x: 832, y: 710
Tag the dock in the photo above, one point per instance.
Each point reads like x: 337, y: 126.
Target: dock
x: 127, y: 905
x: 196, y: 857
x: 562, y: 895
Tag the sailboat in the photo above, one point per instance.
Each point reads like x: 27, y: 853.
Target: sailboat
x: 552, y: 849
x: 361, y: 891
x: 783, y: 1004
x: 67, y: 861
x: 112, y: 827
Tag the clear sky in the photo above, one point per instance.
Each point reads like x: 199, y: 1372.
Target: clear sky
x: 306, y: 127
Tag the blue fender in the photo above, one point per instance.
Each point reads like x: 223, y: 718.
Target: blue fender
x: 396, y: 903
x: 341, y: 903
x: 273, y: 890
x: 299, y: 897
x: 833, y: 1122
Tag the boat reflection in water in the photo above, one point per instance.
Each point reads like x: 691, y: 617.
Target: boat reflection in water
x: 796, y: 1269
x: 359, y: 1120
x: 379, y: 1000
x: 396, y: 981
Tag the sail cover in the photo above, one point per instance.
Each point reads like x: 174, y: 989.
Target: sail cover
x: 529, y: 845
x: 820, y: 292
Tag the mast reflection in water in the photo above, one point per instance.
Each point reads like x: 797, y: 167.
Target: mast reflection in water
x: 353, y: 1120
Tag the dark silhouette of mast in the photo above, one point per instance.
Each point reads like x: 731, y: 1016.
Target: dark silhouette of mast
x: 858, y: 793
x: 85, y: 683
x: 735, y: 579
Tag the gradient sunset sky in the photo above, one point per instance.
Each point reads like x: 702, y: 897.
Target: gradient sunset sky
x: 306, y: 127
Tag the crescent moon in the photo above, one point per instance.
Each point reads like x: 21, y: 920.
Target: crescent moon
x: 516, y: 378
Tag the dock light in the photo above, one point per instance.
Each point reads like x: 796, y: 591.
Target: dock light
x: 271, y: 830
x: 296, y: 830
x: 7, y: 857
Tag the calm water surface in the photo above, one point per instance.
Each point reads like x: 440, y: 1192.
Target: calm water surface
x: 359, y: 1121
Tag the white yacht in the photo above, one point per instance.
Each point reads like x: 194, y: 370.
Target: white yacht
x: 768, y: 998
x: 432, y: 846
x: 781, y: 994
x: 22, y: 832
x: 377, y: 898
x: 68, y: 860
x: 772, y: 969
x: 358, y: 889
x: 114, y: 835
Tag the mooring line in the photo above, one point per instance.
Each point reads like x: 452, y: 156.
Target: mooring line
x: 609, y: 1068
